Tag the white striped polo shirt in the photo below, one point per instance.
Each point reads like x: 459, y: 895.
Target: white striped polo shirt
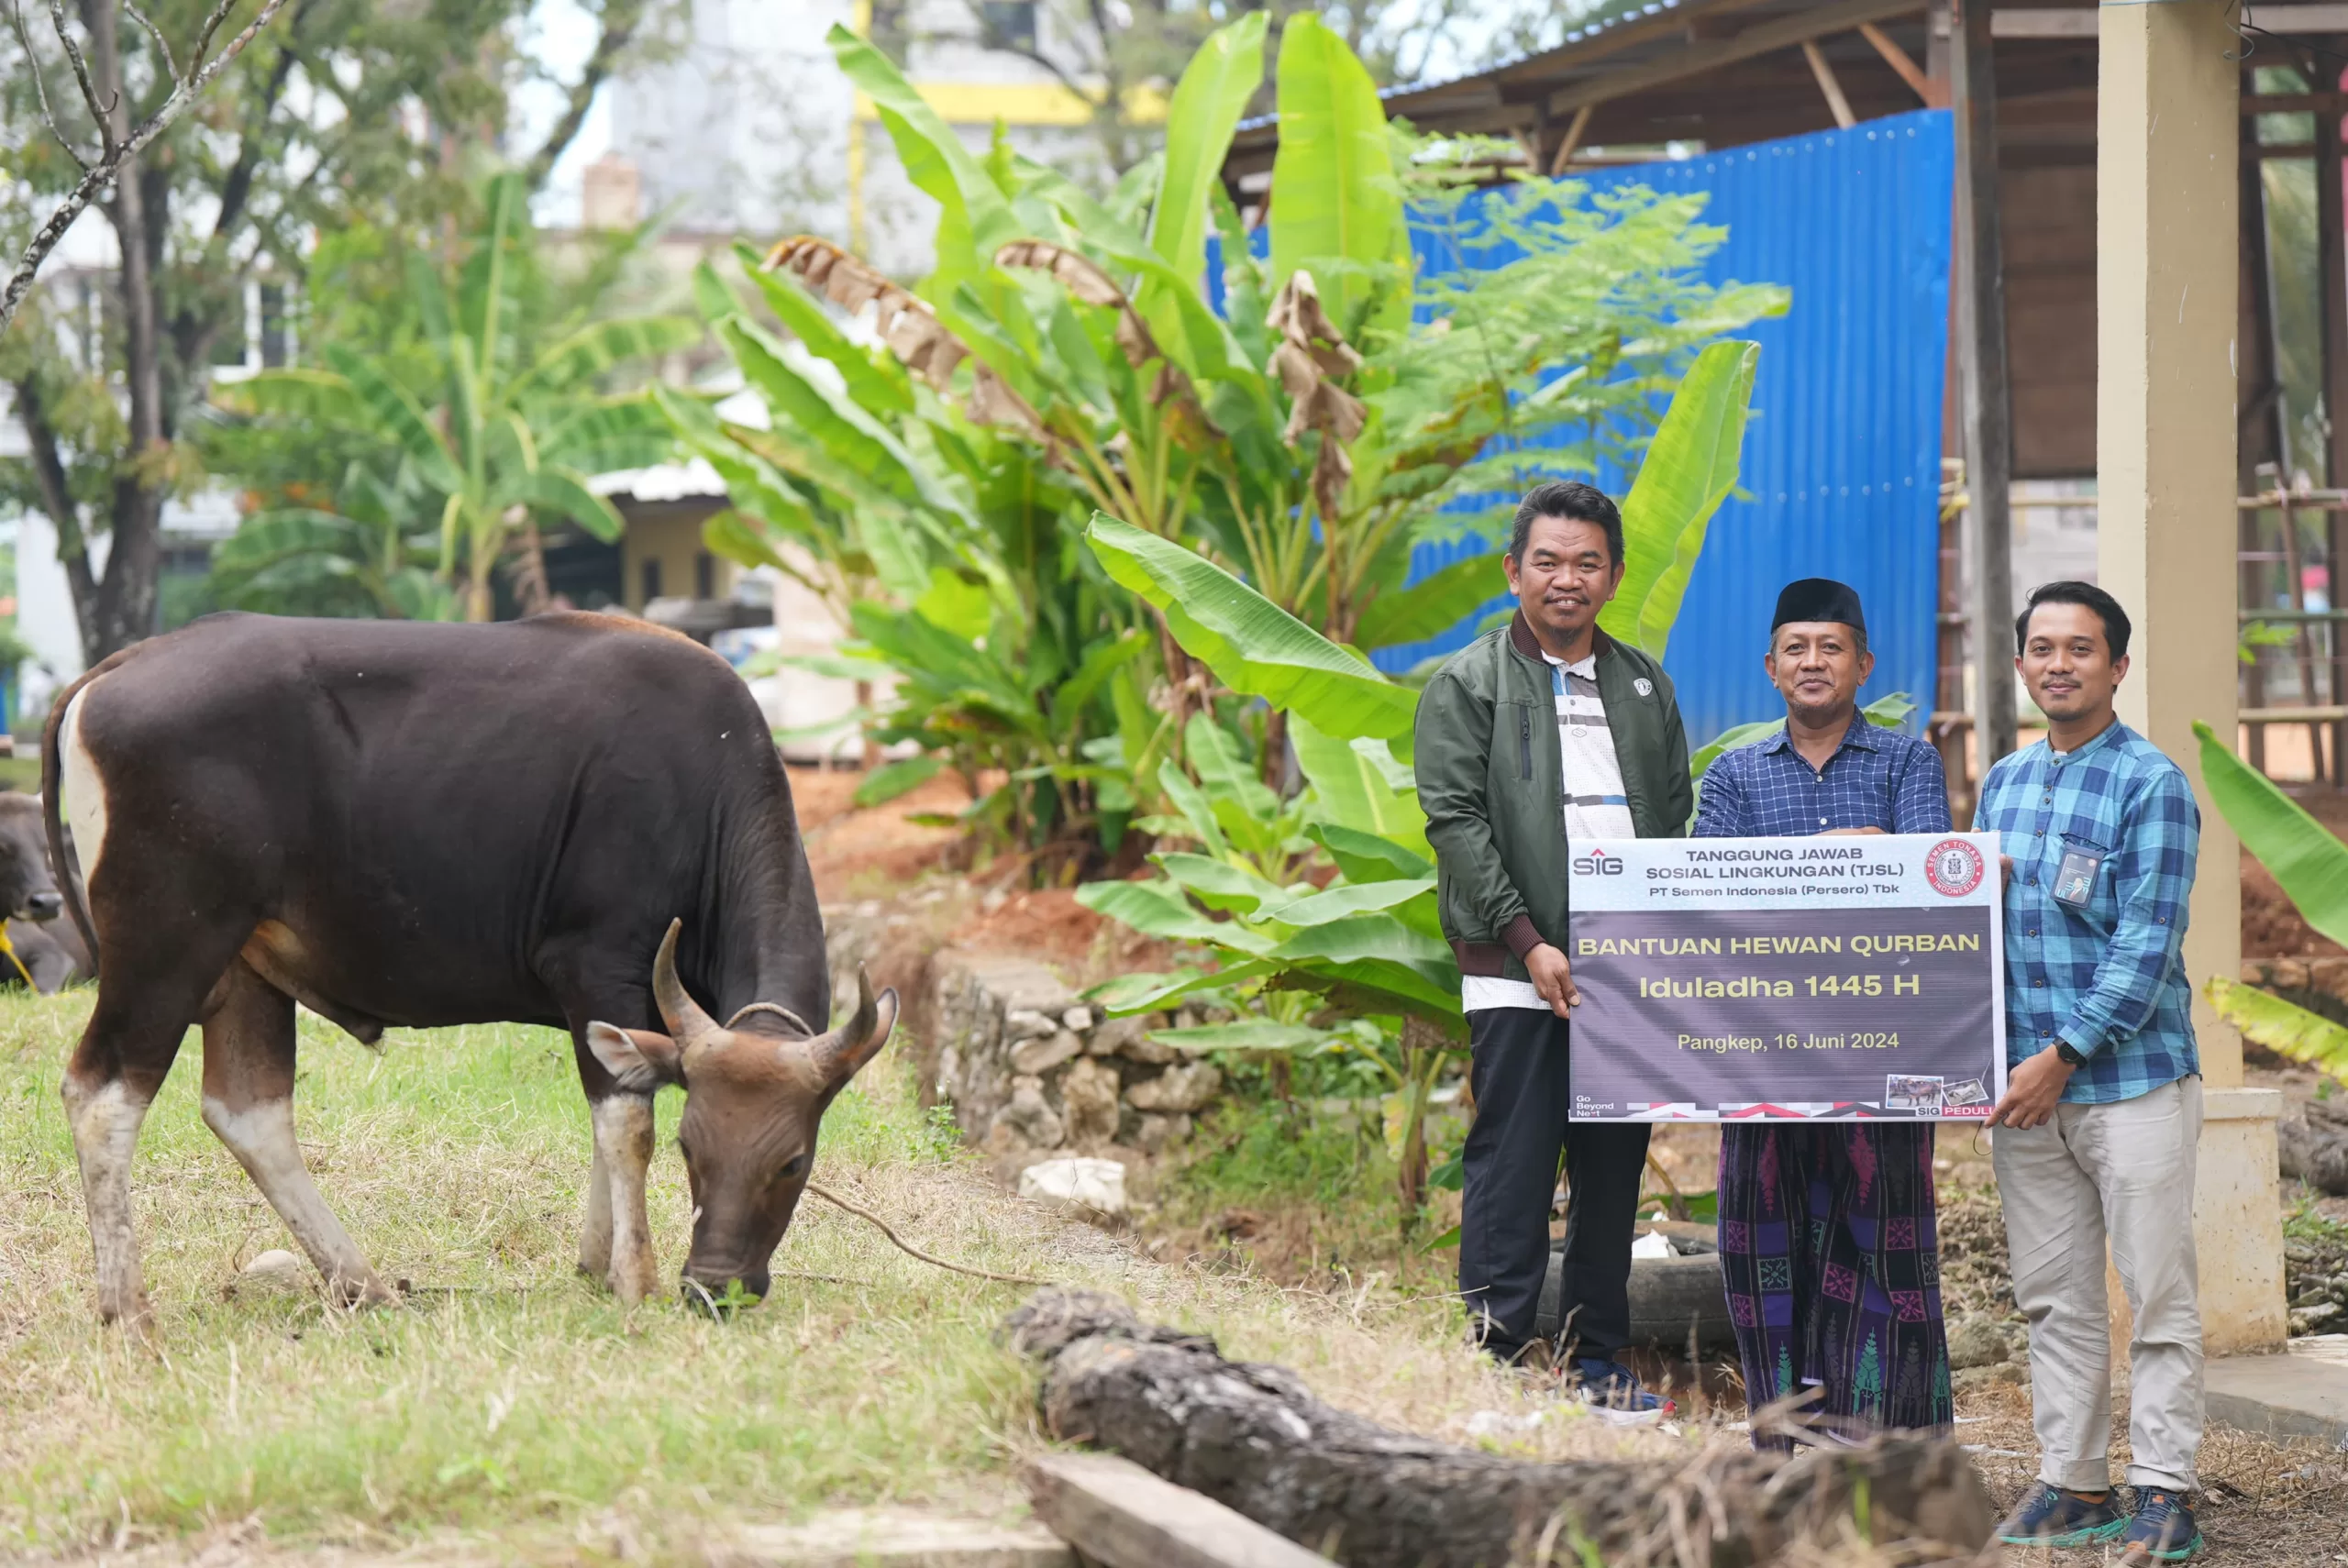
x: 1595, y: 804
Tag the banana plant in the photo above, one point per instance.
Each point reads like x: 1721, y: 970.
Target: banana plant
x: 367, y: 558
x: 2311, y: 865
x: 507, y: 428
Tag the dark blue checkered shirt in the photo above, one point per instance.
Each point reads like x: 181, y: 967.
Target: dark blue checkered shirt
x: 1876, y: 777
x: 2107, y: 976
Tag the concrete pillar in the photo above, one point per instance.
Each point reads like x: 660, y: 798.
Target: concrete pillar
x: 2168, y: 136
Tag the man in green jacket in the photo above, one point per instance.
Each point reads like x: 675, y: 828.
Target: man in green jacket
x: 1532, y: 737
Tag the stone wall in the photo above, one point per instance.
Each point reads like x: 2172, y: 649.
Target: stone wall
x: 1030, y: 1069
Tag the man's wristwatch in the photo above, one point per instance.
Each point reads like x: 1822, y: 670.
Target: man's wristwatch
x: 2062, y: 1049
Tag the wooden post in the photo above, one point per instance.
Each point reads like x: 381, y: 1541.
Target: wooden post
x: 1566, y: 149
x: 1935, y: 95
x: 2168, y: 128
x: 1981, y: 339
x: 2331, y: 252
x: 1836, y: 104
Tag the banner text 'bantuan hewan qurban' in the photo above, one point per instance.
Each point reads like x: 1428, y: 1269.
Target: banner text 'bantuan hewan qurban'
x: 1787, y: 980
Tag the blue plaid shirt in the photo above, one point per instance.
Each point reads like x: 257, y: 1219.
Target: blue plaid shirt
x: 1876, y: 777
x: 2106, y: 974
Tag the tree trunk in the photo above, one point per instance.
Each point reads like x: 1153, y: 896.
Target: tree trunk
x: 1253, y: 1438
x: 122, y: 608
x: 2312, y: 1139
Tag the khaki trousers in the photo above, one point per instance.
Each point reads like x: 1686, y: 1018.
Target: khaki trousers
x: 2123, y: 1171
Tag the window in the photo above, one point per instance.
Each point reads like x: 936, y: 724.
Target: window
x: 1008, y: 23
x: 276, y: 328
x: 704, y: 576
x: 648, y: 578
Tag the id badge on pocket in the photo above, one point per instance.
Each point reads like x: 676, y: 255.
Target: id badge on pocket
x: 2075, y: 881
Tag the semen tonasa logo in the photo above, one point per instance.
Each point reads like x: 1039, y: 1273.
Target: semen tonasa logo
x: 1954, y: 868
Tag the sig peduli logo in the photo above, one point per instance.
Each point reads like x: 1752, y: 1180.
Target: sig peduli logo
x: 1598, y: 862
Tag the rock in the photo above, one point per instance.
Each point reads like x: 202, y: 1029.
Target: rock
x: 2329, y: 976
x: 274, y: 1273
x: 1158, y: 1132
x: 2320, y: 1319
x: 1031, y: 1116
x: 1129, y: 1038
x: 1026, y: 1024
x: 2005, y: 1372
x: 1078, y: 1019
x: 1089, y: 1100
x: 1189, y: 1086
x: 1096, y: 1185
x: 1041, y: 1053
x: 2287, y: 974
x: 1975, y: 1342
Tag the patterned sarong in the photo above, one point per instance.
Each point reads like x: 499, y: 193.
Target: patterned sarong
x: 1833, y: 1267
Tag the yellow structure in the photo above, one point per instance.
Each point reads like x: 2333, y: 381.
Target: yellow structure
x: 2167, y: 138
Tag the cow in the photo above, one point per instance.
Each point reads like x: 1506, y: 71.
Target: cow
x: 416, y: 824
x: 48, y: 955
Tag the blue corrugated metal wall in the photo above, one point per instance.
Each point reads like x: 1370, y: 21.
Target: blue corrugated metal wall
x: 1842, y: 456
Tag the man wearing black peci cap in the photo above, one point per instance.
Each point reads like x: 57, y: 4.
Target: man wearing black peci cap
x: 1826, y: 1231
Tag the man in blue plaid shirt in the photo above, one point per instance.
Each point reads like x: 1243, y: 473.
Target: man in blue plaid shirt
x: 2097, y: 1132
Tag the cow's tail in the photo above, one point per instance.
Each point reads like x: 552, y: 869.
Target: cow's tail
x: 52, y: 803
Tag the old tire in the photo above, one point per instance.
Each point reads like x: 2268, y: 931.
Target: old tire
x: 1668, y: 1296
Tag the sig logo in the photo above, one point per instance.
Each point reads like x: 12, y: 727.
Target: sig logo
x: 1597, y: 863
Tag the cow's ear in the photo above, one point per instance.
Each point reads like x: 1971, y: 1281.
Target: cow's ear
x: 638, y: 1060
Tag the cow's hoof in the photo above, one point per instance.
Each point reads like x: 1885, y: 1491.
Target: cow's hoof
x: 359, y: 1296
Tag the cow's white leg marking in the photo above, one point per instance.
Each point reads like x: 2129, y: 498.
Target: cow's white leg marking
x: 85, y: 791
x: 106, y: 1121
x: 624, y: 1148
x: 595, y: 1238
x: 262, y: 1137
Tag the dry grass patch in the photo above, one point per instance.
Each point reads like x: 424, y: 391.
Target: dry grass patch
x: 510, y: 1400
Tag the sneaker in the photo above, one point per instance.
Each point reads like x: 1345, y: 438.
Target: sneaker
x: 2052, y: 1516
x: 2161, y: 1531
x: 1615, y: 1392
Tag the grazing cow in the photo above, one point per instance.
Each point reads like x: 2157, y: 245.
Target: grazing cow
x: 398, y: 823
x: 48, y: 954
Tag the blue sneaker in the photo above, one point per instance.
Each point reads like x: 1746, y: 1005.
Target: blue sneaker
x: 1614, y: 1391
x: 2052, y: 1516
x: 2161, y: 1531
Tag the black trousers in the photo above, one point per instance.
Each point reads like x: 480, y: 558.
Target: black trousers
x: 1521, y: 1073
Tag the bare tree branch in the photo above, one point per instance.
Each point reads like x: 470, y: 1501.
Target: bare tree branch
x: 156, y: 33
x: 621, y: 19
x: 96, y: 177
x: 40, y: 86
x: 56, y: 497
x: 102, y: 113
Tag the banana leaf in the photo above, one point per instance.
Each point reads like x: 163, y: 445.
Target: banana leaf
x: 1220, y: 885
x: 1253, y: 645
x: 1354, y: 789
x: 1207, y: 104
x: 1346, y: 899
x: 1246, y: 1035
x: 1430, y: 608
x: 1336, y: 201
x: 892, y: 779
x: 1365, y: 856
x: 1689, y: 469
x: 1158, y: 909
x: 2282, y: 1027
x: 976, y: 219
x: 2304, y: 855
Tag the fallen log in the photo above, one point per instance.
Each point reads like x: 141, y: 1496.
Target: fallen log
x: 2312, y: 1139
x: 1253, y: 1438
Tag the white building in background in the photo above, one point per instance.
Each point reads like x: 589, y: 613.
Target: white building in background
x: 752, y: 130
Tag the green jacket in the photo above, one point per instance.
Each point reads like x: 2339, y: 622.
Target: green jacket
x: 1491, y: 780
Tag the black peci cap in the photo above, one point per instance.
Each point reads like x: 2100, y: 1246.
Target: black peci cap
x: 1820, y: 599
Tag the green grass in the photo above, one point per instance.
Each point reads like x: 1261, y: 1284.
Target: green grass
x: 512, y: 1400
x: 508, y: 1388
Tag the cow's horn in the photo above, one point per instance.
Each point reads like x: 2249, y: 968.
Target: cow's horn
x: 688, y: 1025
x: 844, y: 1050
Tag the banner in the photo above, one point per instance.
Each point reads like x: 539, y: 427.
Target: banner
x: 1787, y: 980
